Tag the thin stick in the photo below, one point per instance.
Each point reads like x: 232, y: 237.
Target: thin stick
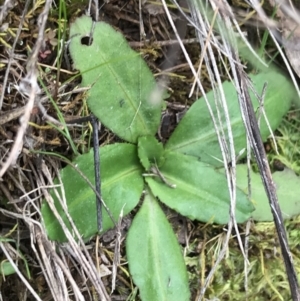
x: 94, y: 122
x: 266, y: 176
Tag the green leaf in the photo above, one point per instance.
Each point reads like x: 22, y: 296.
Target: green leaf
x: 122, y: 185
x: 195, y: 134
x: 201, y: 192
x: 6, y: 268
x: 154, y: 256
x: 287, y: 184
x: 150, y: 151
x: 121, y: 95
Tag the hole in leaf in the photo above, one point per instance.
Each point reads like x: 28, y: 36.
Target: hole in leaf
x: 88, y: 41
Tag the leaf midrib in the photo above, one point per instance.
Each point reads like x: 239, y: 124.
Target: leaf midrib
x: 88, y: 191
x: 206, y: 137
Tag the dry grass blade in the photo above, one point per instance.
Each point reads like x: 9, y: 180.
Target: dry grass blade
x: 4, y: 250
x: 228, y: 151
x: 117, y: 255
x: 5, y: 8
x: 55, y: 270
x: 289, y: 21
x: 11, y: 56
x: 78, y: 249
x: 265, y: 171
x: 187, y: 37
x: 29, y: 87
x: 226, y: 22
